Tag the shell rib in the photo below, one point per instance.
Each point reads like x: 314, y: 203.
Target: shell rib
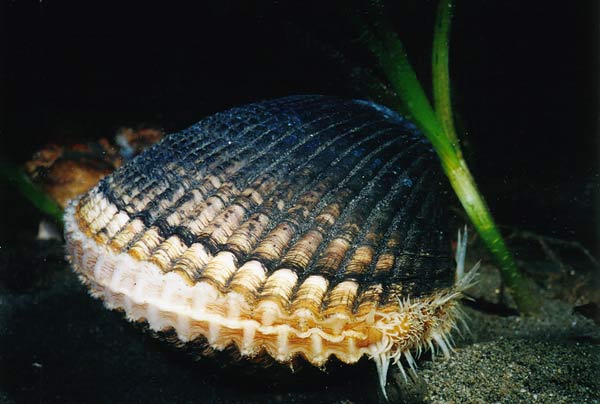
x: 305, y: 225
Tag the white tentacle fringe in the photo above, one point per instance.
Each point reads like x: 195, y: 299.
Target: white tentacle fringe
x: 438, y: 336
x: 164, y: 300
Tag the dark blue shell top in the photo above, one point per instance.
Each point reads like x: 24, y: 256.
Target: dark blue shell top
x: 346, y: 189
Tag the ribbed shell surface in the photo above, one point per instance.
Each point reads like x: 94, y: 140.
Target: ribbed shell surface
x: 314, y: 204
x: 317, y: 185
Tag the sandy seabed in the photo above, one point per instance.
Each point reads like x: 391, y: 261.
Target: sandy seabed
x: 58, y: 345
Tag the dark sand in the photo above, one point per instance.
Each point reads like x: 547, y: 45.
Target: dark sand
x: 58, y: 345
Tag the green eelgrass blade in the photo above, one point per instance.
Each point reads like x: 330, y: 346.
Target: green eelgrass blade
x: 457, y: 171
x: 472, y: 201
x: 438, y: 126
x: 383, y: 41
x: 16, y: 177
x: 441, y: 76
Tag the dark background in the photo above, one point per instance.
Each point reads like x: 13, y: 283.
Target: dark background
x: 524, y: 76
x: 525, y: 80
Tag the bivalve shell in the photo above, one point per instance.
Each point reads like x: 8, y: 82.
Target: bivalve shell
x: 306, y: 225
